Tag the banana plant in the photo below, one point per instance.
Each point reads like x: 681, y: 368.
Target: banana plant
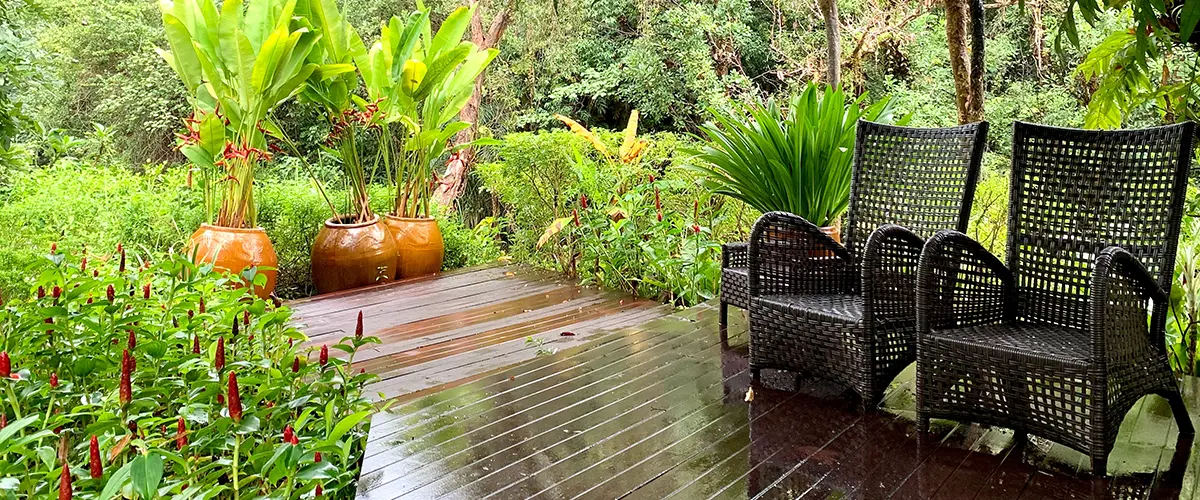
x: 238, y: 61
x: 332, y: 86
x: 421, y: 80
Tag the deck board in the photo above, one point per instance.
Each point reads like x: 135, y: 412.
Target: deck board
x: 644, y: 405
x: 440, y: 329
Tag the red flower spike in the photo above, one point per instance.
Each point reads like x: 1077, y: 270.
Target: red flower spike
x: 583, y: 201
x: 95, y: 273
x: 235, y: 329
x: 696, y: 209
x: 317, y: 457
x: 657, y: 200
x: 291, y: 342
x: 41, y: 292
x: 660, y: 216
x: 97, y: 470
x: 235, y: 400
x: 180, y: 434
x: 195, y: 344
x: 201, y: 305
x: 246, y: 317
x: 219, y: 362
x: 3, y: 420
x: 54, y: 380
x: 288, y: 434
x: 696, y: 228
x: 296, y: 364
x: 89, y: 300
x: 132, y: 342
x: 324, y: 354
x: 320, y: 492
x: 83, y: 264
x: 5, y: 365
x: 54, y: 247
x: 191, y: 314
x: 221, y: 399
x: 111, y: 293
x: 358, y: 328
x: 575, y: 213
x: 126, y: 391
x: 146, y: 291
x: 56, y: 292
x: 64, y: 484
x: 121, y: 250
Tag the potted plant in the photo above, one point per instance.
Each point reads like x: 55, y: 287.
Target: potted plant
x: 237, y: 64
x: 796, y: 160
x: 353, y: 248
x: 421, y: 82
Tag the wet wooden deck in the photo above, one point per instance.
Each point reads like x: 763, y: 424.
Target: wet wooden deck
x: 660, y: 411
x: 453, y: 327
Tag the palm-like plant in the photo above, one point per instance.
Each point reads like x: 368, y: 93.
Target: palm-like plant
x: 796, y: 159
x: 237, y: 62
x: 421, y: 81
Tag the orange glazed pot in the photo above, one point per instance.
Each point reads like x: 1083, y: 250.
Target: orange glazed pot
x: 348, y: 256
x: 233, y: 249
x: 419, y: 246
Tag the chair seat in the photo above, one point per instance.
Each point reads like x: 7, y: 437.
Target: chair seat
x: 1047, y: 342
x: 832, y: 307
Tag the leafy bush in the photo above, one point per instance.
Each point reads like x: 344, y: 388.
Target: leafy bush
x: 619, y: 241
x: 153, y: 375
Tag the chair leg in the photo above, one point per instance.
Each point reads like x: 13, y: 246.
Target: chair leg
x: 1180, y: 411
x: 1100, y: 466
x: 723, y: 315
x: 754, y: 373
x: 922, y: 423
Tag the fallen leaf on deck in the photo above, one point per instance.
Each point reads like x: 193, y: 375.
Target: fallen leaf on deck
x: 749, y: 394
x: 567, y: 334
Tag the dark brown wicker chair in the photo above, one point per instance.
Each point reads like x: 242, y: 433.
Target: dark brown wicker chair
x: 1057, y: 343
x: 847, y: 313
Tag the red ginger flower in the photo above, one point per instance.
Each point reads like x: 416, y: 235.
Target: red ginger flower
x: 296, y: 364
x: 97, y: 470
x: 121, y: 250
x: 132, y: 342
x: 83, y: 264
x: 180, y: 434
x: 324, y: 354
x: 660, y: 216
x: 657, y: 200
x: 3, y: 420
x: 201, y: 305
x: 221, y: 399
x: 54, y: 247
x: 56, y: 292
x: 111, y: 293
x: 317, y: 457
x: 146, y: 291
x: 195, y: 344
x: 358, y: 328
x: 64, y: 484
x: 5, y: 365
x: 54, y: 380
x: 41, y: 292
x: 575, y: 213
x: 246, y: 317
x: 583, y: 201
x: 235, y: 329
x: 235, y: 400
x: 288, y: 434
x: 696, y: 228
x: 220, y: 360
x: 320, y: 491
x: 126, y: 391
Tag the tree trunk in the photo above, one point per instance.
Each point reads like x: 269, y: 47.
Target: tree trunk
x: 454, y: 182
x: 1037, y: 38
x: 966, y: 61
x: 833, y: 41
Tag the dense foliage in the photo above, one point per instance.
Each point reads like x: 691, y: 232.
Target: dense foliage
x: 148, y: 376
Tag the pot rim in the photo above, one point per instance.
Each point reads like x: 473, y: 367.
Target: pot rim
x: 411, y: 219
x: 214, y: 227
x: 329, y: 223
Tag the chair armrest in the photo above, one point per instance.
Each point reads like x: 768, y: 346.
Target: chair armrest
x: 960, y: 283
x: 791, y: 255
x: 1121, y: 289
x: 889, y: 274
x: 735, y: 255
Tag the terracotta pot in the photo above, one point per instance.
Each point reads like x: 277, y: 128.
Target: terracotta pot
x: 234, y: 249
x: 419, y: 246
x: 834, y: 232
x: 352, y: 255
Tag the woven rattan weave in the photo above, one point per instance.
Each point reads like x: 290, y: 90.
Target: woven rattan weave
x: 1057, y: 343
x: 847, y: 313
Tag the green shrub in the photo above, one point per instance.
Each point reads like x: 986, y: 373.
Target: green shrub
x: 184, y: 384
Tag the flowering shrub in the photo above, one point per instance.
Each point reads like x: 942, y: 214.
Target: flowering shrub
x: 138, y: 378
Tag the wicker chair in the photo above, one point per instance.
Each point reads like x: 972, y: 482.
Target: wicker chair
x: 1057, y: 343
x: 846, y: 313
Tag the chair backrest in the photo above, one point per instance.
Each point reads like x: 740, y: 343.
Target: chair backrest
x: 1075, y: 192
x: 919, y: 178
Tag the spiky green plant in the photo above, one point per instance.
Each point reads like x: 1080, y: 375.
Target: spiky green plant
x: 796, y: 159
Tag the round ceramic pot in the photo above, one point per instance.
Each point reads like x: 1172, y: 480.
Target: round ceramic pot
x: 233, y: 250
x: 833, y: 232
x: 352, y: 255
x: 419, y: 246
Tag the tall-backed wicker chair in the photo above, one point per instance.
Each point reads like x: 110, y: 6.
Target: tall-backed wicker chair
x: 847, y: 313
x: 1057, y: 343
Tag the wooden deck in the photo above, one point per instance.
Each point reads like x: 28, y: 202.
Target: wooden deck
x: 452, y: 327
x: 659, y: 410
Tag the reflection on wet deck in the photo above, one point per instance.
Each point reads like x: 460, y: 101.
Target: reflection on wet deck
x: 660, y: 411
